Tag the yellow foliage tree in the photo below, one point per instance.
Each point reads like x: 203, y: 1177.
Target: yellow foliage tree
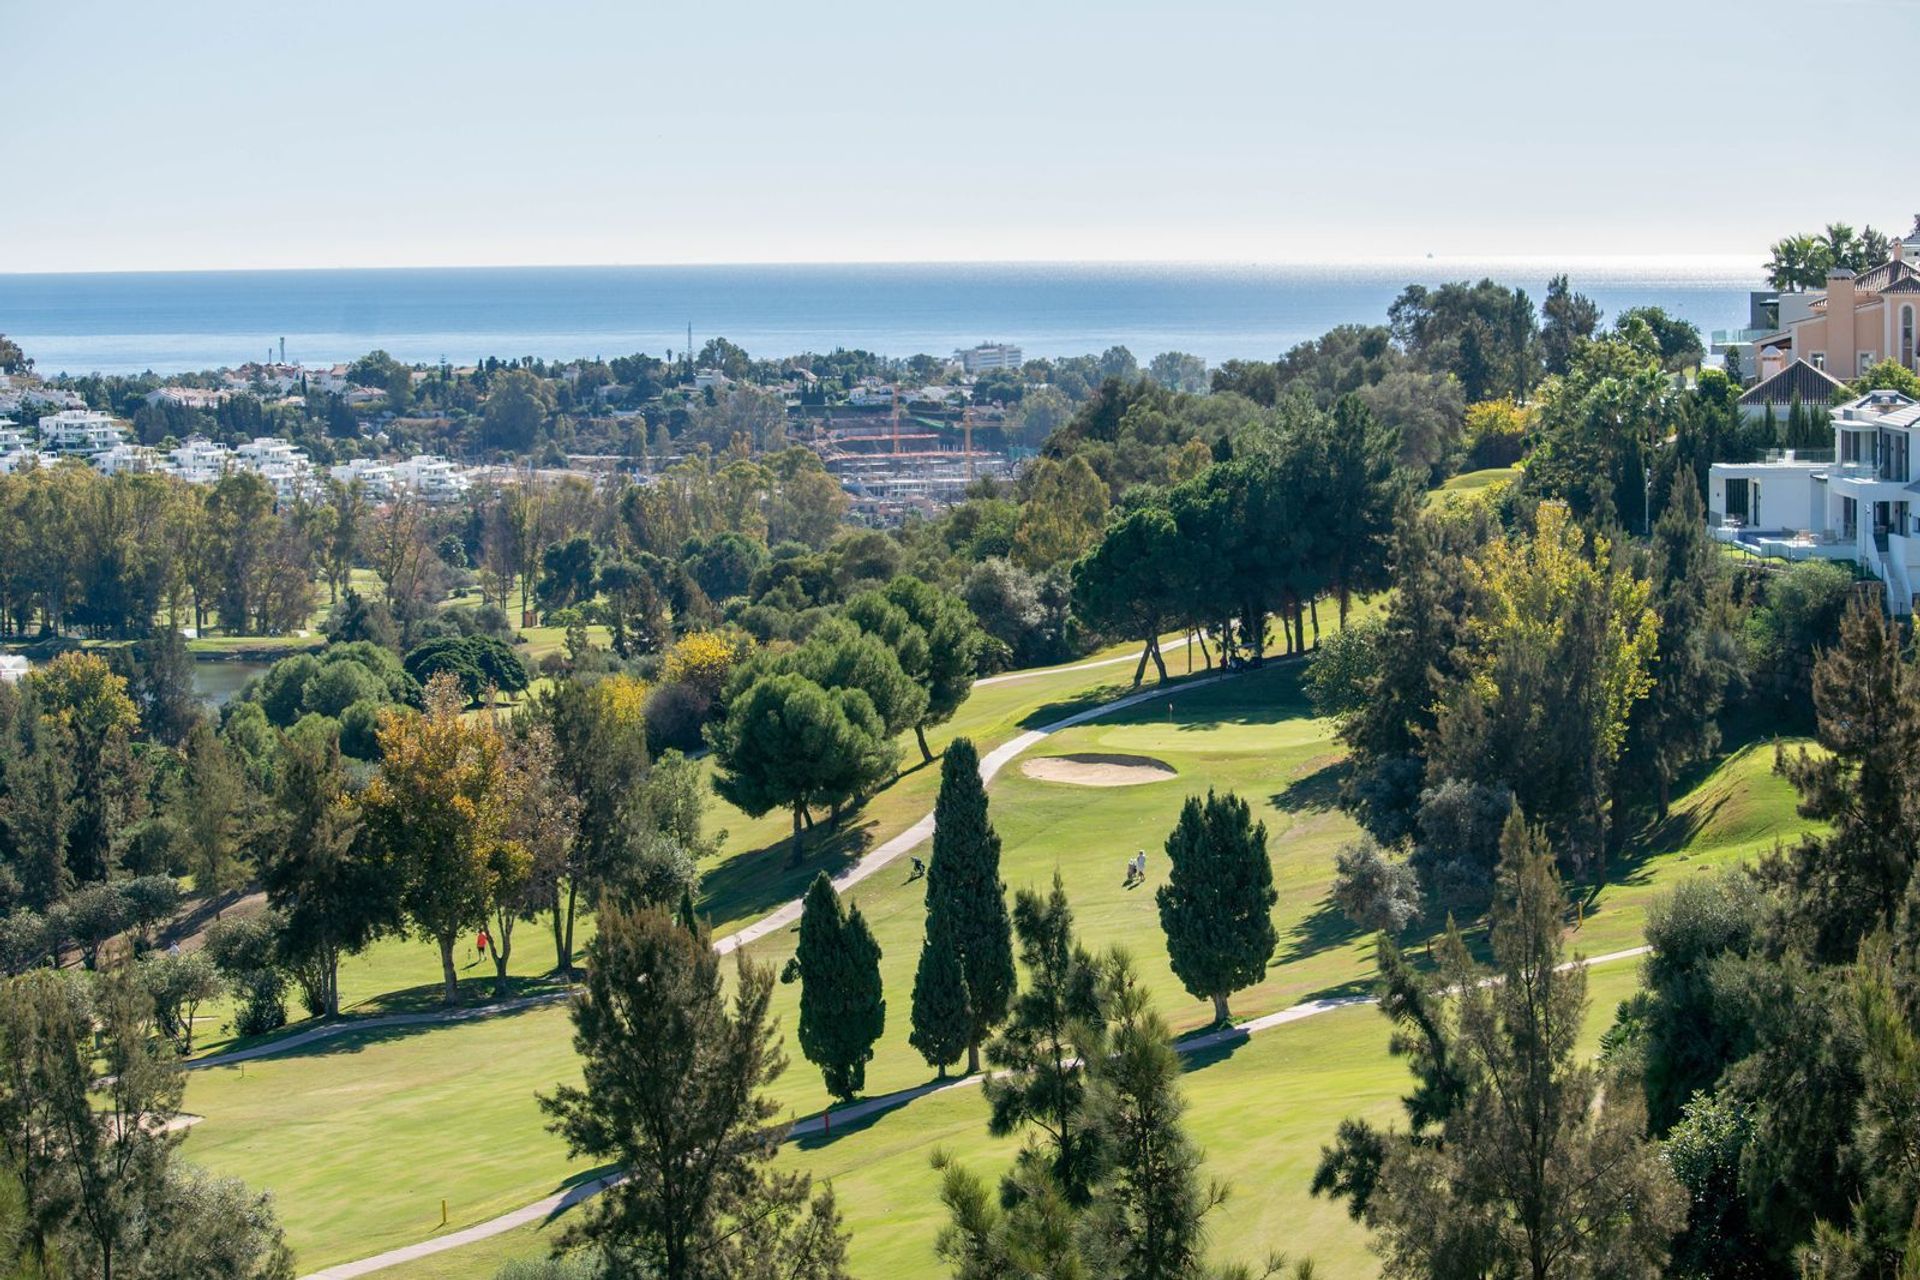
x: 704, y: 660
x: 441, y: 812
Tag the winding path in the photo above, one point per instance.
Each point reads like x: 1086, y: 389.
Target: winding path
x: 545, y: 1208
x: 781, y: 917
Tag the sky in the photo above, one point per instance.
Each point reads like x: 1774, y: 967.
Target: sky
x: 202, y: 134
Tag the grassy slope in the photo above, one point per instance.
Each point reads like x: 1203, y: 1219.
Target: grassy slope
x: 1261, y: 1112
x: 310, y: 1125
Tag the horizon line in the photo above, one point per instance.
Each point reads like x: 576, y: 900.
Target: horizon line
x: 1615, y: 261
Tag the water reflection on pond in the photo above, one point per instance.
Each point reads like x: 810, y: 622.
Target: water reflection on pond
x: 216, y: 682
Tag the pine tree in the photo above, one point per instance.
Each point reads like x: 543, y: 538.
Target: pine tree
x: 673, y: 1091
x: 1542, y: 1171
x: 942, y: 1014
x: 1217, y: 904
x: 1677, y: 723
x: 842, y: 1007
x: 1055, y: 1029
x: 963, y: 881
x: 1852, y: 880
x: 1146, y: 1222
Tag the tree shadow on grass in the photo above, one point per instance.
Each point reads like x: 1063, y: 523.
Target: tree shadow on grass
x: 1049, y: 712
x: 1328, y: 926
x: 811, y: 1134
x: 1214, y: 1045
x: 477, y: 988
x: 1315, y: 792
x: 748, y: 885
x: 581, y: 1186
x: 352, y: 1038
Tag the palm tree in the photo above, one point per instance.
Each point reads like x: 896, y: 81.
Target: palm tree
x: 1798, y: 262
x: 1842, y: 246
x: 1875, y: 247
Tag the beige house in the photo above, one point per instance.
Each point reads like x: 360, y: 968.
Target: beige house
x: 1855, y: 323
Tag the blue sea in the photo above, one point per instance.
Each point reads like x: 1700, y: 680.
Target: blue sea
x: 174, y: 321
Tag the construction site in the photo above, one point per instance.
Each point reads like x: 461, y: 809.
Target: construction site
x: 895, y: 464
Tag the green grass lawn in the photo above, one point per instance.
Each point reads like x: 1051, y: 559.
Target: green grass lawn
x: 302, y: 1124
x: 1471, y: 484
x: 1261, y: 1112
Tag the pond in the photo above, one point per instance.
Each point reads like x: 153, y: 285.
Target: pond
x: 216, y: 682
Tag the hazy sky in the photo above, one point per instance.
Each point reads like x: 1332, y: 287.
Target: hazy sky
x: 203, y: 133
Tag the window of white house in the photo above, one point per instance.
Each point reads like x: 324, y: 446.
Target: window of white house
x: 1818, y: 360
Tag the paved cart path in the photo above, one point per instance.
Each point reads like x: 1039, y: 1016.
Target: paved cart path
x: 780, y: 918
x: 541, y: 1210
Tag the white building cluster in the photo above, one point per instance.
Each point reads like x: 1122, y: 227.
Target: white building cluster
x: 428, y: 476
x: 1859, y: 501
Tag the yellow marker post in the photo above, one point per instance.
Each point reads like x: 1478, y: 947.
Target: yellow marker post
x: 443, y: 1213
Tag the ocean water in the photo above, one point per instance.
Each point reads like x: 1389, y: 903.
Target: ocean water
x: 173, y: 321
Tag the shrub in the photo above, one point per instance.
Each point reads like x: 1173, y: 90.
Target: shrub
x: 477, y: 662
x: 338, y: 686
x: 676, y: 717
x: 359, y: 727
x: 704, y: 660
x: 1376, y: 893
x: 1459, y: 840
x: 245, y: 949
x: 282, y: 692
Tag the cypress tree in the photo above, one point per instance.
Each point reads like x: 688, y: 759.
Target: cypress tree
x: 942, y: 1014
x: 1217, y: 904
x: 842, y: 1007
x: 963, y: 881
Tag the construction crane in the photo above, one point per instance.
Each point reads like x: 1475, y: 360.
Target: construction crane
x: 966, y: 437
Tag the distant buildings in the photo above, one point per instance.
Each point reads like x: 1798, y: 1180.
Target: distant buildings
x: 1853, y: 324
x: 989, y: 356
x: 79, y: 433
x: 432, y: 477
x: 1858, y: 502
x: 189, y: 397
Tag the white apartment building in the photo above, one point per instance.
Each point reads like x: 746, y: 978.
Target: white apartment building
x: 988, y: 356
x: 375, y: 476
x: 15, y: 461
x: 199, y: 460
x: 79, y: 433
x: 11, y: 436
x: 286, y: 468
x: 431, y: 476
x: 129, y: 459
x: 1861, y: 503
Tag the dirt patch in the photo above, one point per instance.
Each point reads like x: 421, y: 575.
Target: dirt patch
x: 1098, y: 769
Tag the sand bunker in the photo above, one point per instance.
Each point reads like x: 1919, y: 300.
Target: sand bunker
x: 1095, y: 769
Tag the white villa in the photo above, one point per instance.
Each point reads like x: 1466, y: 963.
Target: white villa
x: 283, y: 466
x: 79, y: 432
x: 375, y: 476
x: 198, y: 460
x: 1861, y: 503
x: 431, y: 476
x: 129, y: 459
